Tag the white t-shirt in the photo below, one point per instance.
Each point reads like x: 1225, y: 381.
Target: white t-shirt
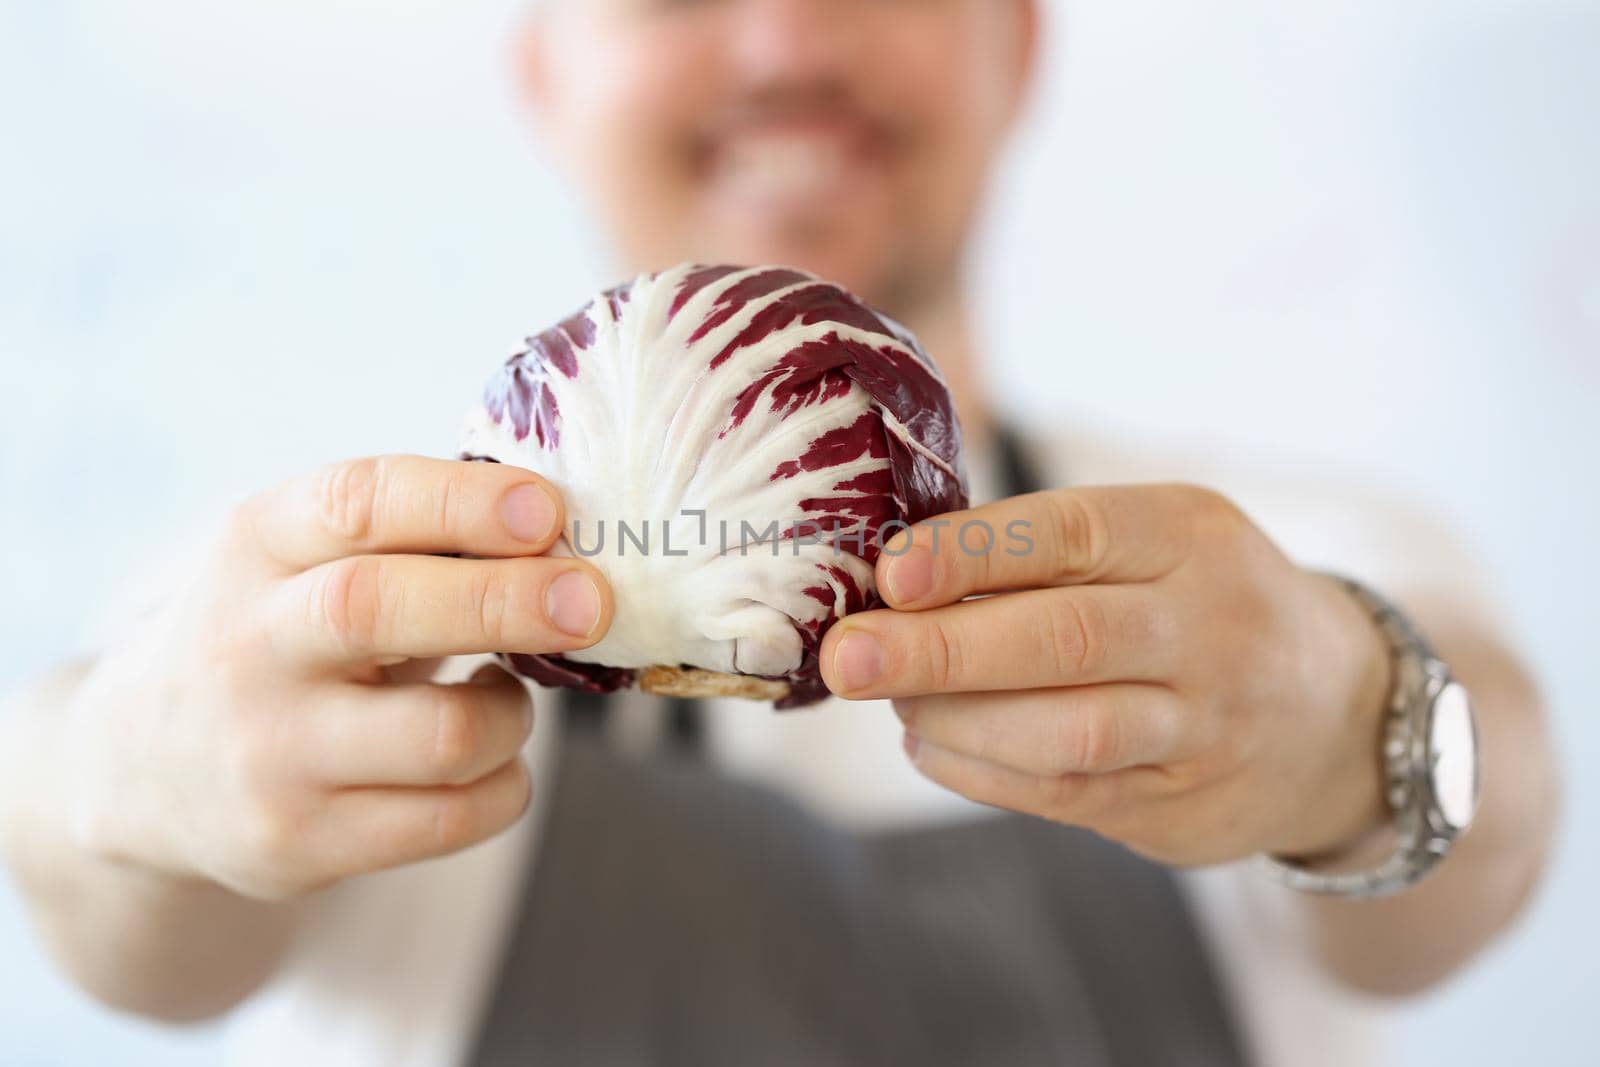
x: 395, y: 969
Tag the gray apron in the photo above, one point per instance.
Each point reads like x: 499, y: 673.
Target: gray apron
x: 676, y: 916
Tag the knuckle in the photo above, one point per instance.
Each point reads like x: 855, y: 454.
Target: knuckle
x: 241, y: 528
x: 944, y: 656
x: 229, y: 676
x: 1212, y: 510
x: 267, y: 799
x: 348, y: 498
x: 347, y: 602
x: 1080, y: 798
x: 491, y: 599
x: 1147, y: 624
x: 1059, y: 792
x: 1079, y: 532
x: 254, y: 758
x: 449, y: 503
x: 271, y: 834
x: 1093, y: 741
x: 1208, y: 500
x: 1076, y: 631
x: 983, y: 744
x: 458, y: 737
x: 466, y: 815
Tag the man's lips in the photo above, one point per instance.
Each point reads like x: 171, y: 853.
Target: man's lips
x: 792, y: 164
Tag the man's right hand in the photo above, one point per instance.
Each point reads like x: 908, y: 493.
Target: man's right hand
x: 258, y: 732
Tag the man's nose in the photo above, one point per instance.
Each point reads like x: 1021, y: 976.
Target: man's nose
x: 795, y: 40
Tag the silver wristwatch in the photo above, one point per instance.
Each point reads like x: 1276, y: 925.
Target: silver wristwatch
x: 1430, y: 763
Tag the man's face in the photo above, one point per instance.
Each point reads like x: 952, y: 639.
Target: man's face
x: 849, y: 137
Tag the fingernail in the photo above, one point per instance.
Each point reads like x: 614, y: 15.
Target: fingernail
x: 573, y: 604
x: 910, y: 577
x: 528, y: 512
x: 858, y: 660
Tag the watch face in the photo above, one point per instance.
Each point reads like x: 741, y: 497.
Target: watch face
x: 1452, y: 751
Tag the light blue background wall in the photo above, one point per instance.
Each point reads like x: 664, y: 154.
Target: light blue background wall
x: 239, y: 239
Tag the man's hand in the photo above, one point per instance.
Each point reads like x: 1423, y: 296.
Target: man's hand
x: 257, y: 735
x: 1151, y: 666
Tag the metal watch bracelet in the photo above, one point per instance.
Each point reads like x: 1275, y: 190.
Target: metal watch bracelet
x: 1424, y: 830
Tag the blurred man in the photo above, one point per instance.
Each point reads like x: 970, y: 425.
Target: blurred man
x: 207, y: 810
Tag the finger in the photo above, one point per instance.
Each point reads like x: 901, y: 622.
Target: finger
x: 1134, y: 533
x: 1088, y: 730
x: 1031, y: 640
x: 416, y: 734
x: 1075, y: 798
x: 382, y: 608
x: 365, y: 830
x: 405, y: 504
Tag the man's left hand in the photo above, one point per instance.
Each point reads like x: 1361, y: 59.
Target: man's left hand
x: 1149, y: 665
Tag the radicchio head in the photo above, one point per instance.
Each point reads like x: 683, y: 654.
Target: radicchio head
x: 734, y: 447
